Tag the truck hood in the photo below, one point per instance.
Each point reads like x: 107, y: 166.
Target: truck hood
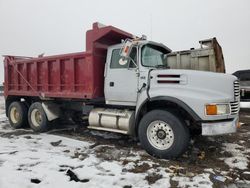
x: 196, y: 89
x: 218, y: 87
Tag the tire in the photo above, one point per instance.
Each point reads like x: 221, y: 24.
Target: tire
x: 18, y: 115
x: 163, y: 134
x: 37, y: 118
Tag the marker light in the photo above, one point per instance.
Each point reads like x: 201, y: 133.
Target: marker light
x: 217, y: 109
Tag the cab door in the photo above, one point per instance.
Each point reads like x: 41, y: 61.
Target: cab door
x: 121, y: 78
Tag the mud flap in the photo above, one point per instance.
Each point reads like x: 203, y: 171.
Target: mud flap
x: 51, y: 110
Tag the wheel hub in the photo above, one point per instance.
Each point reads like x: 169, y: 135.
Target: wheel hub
x: 14, y: 115
x: 36, y: 118
x: 160, y: 135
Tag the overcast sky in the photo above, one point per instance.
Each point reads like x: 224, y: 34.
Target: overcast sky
x: 32, y: 27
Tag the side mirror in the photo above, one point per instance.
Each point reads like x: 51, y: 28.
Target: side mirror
x: 126, y: 49
x: 125, y: 53
x: 123, y: 61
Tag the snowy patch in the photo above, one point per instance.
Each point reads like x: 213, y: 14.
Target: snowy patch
x: 210, y: 170
x: 33, y: 157
x: 45, y: 160
x: 201, y: 180
x: 3, y: 117
x: 239, y: 159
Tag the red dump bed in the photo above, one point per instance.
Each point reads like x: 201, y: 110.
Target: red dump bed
x: 73, y: 76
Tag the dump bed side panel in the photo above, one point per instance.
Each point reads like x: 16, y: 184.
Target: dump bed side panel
x: 65, y: 76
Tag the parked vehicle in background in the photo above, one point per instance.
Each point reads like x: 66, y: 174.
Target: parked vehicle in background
x: 244, y: 78
x: 128, y: 88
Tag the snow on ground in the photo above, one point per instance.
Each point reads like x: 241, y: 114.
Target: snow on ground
x: 202, y: 180
x: 32, y: 157
x: 2, y: 110
x: 30, y: 160
x: 239, y: 159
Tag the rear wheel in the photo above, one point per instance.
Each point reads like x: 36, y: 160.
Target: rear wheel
x: 163, y: 134
x: 37, y: 118
x: 17, y: 114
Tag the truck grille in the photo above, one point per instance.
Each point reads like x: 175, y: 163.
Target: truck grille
x: 235, y: 106
x: 236, y: 89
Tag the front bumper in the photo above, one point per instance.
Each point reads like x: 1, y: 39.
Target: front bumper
x: 218, y: 128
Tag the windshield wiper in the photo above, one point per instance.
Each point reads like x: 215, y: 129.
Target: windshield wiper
x: 162, y: 66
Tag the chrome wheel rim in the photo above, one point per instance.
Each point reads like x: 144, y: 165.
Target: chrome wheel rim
x: 36, y: 117
x: 160, y: 135
x: 14, y: 115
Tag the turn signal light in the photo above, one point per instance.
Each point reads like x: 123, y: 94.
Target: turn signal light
x: 211, y: 109
x: 217, y: 109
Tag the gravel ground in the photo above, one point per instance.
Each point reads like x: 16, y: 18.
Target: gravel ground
x: 81, y: 156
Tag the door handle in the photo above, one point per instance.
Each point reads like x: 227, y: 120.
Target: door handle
x: 111, y: 84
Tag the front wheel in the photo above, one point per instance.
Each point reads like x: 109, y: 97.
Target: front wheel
x: 37, y: 118
x: 163, y: 134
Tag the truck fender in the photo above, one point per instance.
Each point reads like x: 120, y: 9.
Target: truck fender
x: 51, y: 110
x: 178, y: 102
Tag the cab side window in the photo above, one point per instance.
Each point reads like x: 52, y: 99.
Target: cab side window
x: 133, y: 55
x: 116, y: 59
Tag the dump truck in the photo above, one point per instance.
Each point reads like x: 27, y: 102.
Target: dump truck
x: 123, y: 84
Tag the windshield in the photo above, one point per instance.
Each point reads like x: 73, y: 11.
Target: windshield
x: 153, y: 56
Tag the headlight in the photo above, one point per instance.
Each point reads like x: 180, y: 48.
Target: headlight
x: 217, y: 109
